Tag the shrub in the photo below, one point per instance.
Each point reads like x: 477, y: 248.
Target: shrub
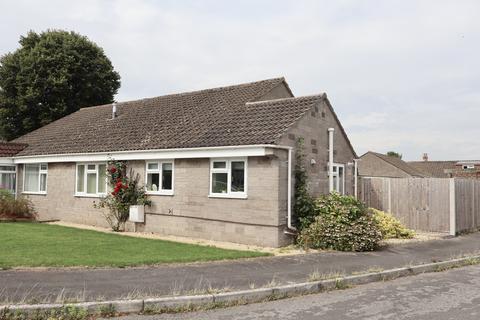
x: 126, y: 192
x: 11, y: 208
x: 390, y: 227
x: 341, y: 223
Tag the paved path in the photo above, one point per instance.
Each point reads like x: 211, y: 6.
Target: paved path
x: 89, y: 284
x: 445, y: 295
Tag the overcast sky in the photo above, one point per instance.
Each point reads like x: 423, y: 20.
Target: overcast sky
x: 401, y: 75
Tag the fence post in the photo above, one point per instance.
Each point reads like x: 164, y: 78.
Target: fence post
x: 474, y: 223
x: 452, y: 207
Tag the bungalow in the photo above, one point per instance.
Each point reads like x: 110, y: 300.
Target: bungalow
x: 448, y: 169
x: 217, y: 163
x: 373, y: 164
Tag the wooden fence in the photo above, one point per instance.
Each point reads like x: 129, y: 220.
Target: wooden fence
x: 426, y: 204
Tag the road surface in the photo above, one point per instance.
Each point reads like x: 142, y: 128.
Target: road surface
x: 453, y: 294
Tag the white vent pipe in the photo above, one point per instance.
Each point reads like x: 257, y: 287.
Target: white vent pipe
x: 330, y: 159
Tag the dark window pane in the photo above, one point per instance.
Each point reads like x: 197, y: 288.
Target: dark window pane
x: 219, y: 182
x: 153, y: 181
x: 167, y: 176
x: 238, y: 176
x: 219, y: 165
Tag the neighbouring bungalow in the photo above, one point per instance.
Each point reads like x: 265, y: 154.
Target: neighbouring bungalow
x: 373, y: 164
x: 377, y: 165
x: 217, y: 164
x: 448, y: 169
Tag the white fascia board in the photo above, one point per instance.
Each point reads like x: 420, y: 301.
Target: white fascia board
x: 6, y: 160
x: 186, y: 153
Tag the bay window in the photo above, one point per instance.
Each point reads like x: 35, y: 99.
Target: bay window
x: 91, y: 179
x: 228, y: 178
x: 35, y: 178
x: 159, y: 177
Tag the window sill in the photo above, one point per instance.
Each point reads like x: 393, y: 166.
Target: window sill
x: 159, y: 193
x: 38, y: 193
x: 90, y: 195
x: 228, y: 196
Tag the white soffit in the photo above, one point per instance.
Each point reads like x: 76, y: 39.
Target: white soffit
x: 210, y: 152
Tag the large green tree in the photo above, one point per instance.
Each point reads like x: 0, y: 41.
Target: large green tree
x: 51, y: 75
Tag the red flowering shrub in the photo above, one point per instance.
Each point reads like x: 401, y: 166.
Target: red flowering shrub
x: 126, y: 192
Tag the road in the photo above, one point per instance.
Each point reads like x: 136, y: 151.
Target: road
x: 453, y: 294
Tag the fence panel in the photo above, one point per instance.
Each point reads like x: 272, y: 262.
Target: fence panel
x: 419, y: 203
x: 467, y: 204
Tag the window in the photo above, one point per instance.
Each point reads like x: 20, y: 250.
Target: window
x: 339, y: 178
x: 91, y: 179
x: 160, y: 177
x: 228, y: 178
x: 468, y: 167
x: 35, y: 178
x: 7, y: 178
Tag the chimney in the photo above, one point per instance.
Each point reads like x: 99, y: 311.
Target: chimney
x: 114, y: 110
x: 425, y: 157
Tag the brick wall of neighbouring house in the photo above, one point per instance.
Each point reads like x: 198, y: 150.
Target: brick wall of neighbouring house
x: 258, y: 220
x: 313, y: 128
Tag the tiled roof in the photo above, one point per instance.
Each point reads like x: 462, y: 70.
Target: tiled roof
x: 8, y: 149
x: 400, y: 164
x: 435, y: 169
x: 212, y: 117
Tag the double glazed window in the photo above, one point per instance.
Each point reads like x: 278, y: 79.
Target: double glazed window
x: 35, y: 179
x: 228, y: 178
x: 159, y: 177
x: 91, y: 179
x: 7, y: 178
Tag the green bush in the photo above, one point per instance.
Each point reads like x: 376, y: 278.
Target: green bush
x: 341, y: 223
x: 390, y: 227
x: 11, y: 208
x: 304, y: 205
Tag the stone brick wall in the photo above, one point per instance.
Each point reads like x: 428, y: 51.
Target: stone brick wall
x: 190, y: 212
x: 60, y: 203
x: 313, y: 128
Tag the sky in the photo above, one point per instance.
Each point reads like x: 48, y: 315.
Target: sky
x: 401, y: 75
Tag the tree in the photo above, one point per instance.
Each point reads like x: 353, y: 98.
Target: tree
x: 394, y: 154
x: 51, y: 75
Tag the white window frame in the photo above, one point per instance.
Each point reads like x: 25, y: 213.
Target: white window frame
x: 160, y: 191
x: 337, y: 176
x: 468, y: 167
x: 85, y: 173
x: 40, y: 172
x: 235, y: 195
x: 14, y: 192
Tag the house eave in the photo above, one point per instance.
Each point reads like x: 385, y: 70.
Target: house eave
x: 182, y: 153
x: 6, y: 160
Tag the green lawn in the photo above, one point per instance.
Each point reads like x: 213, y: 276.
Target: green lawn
x: 35, y: 244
